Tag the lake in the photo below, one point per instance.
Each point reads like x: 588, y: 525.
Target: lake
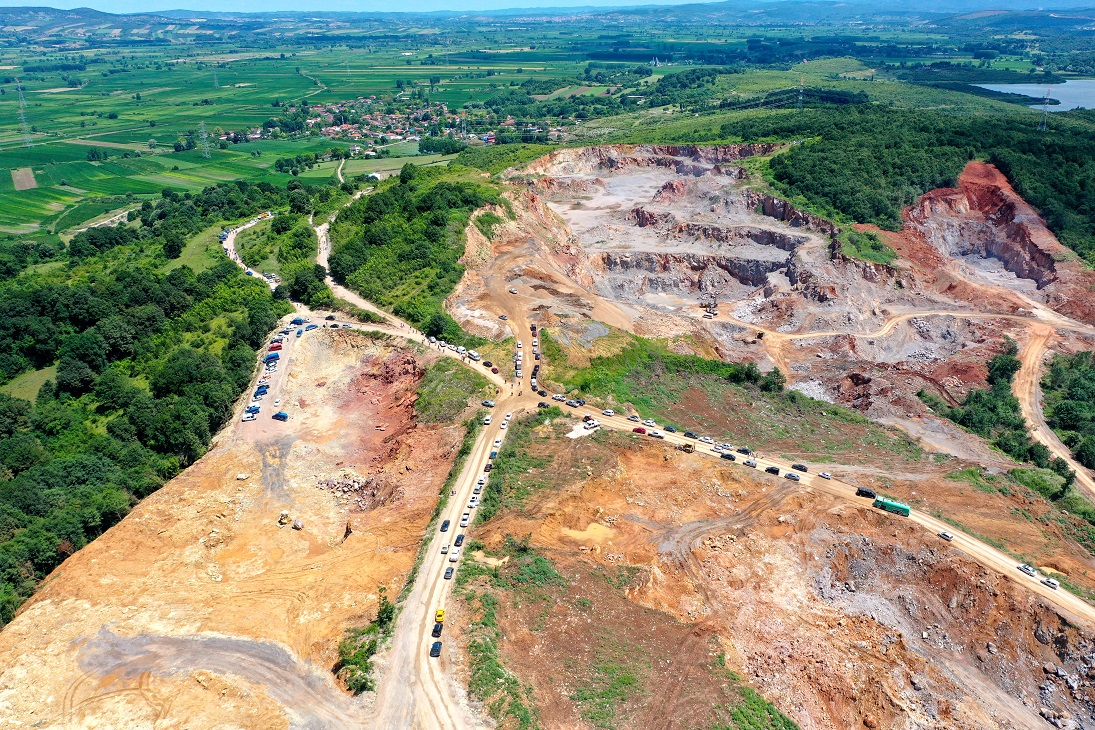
x: 1071, y: 94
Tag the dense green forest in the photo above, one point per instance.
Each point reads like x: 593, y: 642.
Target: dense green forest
x: 400, y: 247
x: 866, y: 162
x: 1069, y: 391
x: 148, y: 358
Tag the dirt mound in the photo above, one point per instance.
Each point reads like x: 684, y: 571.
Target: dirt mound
x: 204, y: 607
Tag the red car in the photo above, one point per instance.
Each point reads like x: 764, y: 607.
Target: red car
x: 638, y: 429
x: 494, y: 370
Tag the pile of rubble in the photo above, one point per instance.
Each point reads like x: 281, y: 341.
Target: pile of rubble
x: 360, y: 494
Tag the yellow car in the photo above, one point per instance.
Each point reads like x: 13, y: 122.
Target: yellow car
x: 439, y: 617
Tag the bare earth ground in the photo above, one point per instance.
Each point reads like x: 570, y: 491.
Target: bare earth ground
x: 23, y: 179
x: 199, y: 610
x: 840, y: 615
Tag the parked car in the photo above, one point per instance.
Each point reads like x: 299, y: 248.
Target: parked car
x: 743, y: 450
x: 249, y: 416
x: 792, y: 476
x: 799, y: 467
x: 311, y: 327
x: 439, y: 617
x: 488, y: 364
x: 638, y: 429
x: 1024, y: 568
x: 633, y: 418
x: 465, y: 519
x: 487, y: 420
x: 649, y: 423
x: 1050, y: 582
x: 330, y: 317
x: 459, y: 540
x: 608, y: 412
x: 512, y: 290
x: 690, y: 435
x: 541, y: 393
x: 728, y: 457
x: 772, y: 470
x: 706, y: 440
x: 488, y: 403
x: 542, y: 404
x: 497, y: 443
x: 494, y: 370
x: 656, y: 434
x: 454, y: 555
x: 864, y: 492
x: 448, y: 573
x: 437, y: 629
x: 435, y: 650
x: 445, y: 525
x: 488, y: 467
x: 445, y: 549
x: 572, y: 403
x: 502, y: 317
x: 750, y: 463
x: 946, y: 535
x: 281, y: 416
x: 825, y: 475
x: 559, y: 397
x: 670, y: 429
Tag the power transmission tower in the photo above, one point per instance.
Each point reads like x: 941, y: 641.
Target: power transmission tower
x: 204, y: 140
x: 801, y: 88
x: 216, y: 84
x: 23, y: 114
x: 1044, y: 124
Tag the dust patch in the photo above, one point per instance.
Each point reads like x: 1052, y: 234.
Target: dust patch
x: 23, y: 178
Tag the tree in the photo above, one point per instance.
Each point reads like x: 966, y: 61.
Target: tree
x: 88, y: 347
x: 173, y: 244
x: 300, y: 202
x: 13, y: 415
x: 74, y: 376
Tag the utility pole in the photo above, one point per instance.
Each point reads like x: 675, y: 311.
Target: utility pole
x: 23, y: 114
x: 204, y: 140
x: 1044, y: 124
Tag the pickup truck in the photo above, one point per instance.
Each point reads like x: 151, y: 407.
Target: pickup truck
x: 298, y: 321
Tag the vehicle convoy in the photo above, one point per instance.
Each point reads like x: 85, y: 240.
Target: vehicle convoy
x: 889, y: 505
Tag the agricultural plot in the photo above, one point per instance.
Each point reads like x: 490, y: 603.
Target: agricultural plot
x: 23, y: 178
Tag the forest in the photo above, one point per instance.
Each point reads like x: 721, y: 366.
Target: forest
x: 1069, y: 391
x: 400, y: 247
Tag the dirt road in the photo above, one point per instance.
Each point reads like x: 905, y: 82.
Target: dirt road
x: 1027, y: 389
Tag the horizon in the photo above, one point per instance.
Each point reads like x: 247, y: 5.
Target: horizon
x: 135, y: 7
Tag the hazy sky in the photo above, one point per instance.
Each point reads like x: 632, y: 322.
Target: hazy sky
x: 255, y: 6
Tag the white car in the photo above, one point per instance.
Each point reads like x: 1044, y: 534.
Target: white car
x: 487, y: 420
x: 509, y: 416
x: 503, y: 424
x: 559, y: 397
x: 249, y: 417
x: 512, y: 290
x: 473, y: 502
x: 444, y: 548
x: 590, y: 425
x: 497, y: 443
x: 649, y: 422
x: 482, y: 481
x: 454, y: 555
x: 706, y: 440
x: 825, y: 475
x: 535, y: 342
x: 465, y: 519
x: 608, y: 412
x: 277, y: 402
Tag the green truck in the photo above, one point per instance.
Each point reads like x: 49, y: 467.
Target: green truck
x: 891, y: 506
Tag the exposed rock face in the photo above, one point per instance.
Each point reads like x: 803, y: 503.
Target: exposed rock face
x: 781, y: 209
x: 984, y: 216
x: 663, y: 272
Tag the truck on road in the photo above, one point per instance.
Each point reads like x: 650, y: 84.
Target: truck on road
x: 893, y: 506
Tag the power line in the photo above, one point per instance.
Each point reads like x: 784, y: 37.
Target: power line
x: 23, y: 114
x: 204, y: 140
x: 1044, y: 124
